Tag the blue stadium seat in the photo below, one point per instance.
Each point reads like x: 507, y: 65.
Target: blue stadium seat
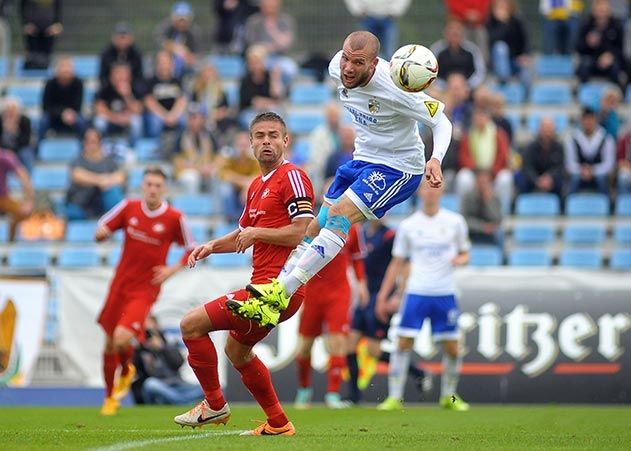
x: 300, y: 151
x: 620, y: 259
x: 304, y: 122
x: 537, y: 204
x: 224, y: 229
x: 587, y: 204
x: 50, y: 178
x: 4, y: 67
x: 30, y: 96
x: 584, y: 233
x: 113, y: 256
x: 20, y: 72
x: 486, y: 256
x: 561, y: 121
x: 550, y: 94
x: 147, y: 149
x: 590, y: 93
x: 450, y: 202
x: 86, y: 66
x: 88, y: 95
x: 405, y: 208
x: 514, y: 93
x: 232, y: 95
x: 200, y: 232
x: 59, y: 149
x: 4, y: 231
x: 28, y: 257
x: 310, y: 94
x: 515, y: 121
x: 81, y: 231
x: 78, y: 257
x: 174, y: 255
x: 534, y: 234
x: 230, y: 260
x: 623, y: 205
x: 529, y: 257
x: 134, y: 178
x: 228, y: 66
x: 581, y: 258
x: 194, y: 204
x: 554, y: 66
x: 622, y: 234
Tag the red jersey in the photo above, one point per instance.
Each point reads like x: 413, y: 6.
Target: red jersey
x: 148, y: 236
x: 274, y: 201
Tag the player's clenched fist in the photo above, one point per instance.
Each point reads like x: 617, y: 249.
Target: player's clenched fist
x: 199, y: 253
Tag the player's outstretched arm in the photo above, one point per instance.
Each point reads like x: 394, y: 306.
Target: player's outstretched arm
x: 223, y: 245
x: 290, y: 235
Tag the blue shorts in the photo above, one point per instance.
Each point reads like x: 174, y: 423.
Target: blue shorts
x: 365, y: 321
x: 373, y: 188
x: 442, y: 311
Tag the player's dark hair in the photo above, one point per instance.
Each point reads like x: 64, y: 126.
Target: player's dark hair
x: 155, y: 170
x: 269, y: 116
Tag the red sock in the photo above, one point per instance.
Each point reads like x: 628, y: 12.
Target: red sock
x: 304, y: 371
x: 257, y: 379
x: 336, y: 365
x: 202, y: 357
x: 110, y: 363
x: 125, y: 359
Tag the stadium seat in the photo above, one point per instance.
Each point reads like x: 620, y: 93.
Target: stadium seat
x: 134, y: 178
x: 620, y: 259
x: 50, y: 178
x: 78, y: 257
x: 19, y: 71
x: 550, y: 94
x: 581, y: 258
x: 514, y: 93
x: 4, y: 230
x: 590, y: 93
x: 587, y: 204
x: 304, y: 122
x: 561, y: 121
x: 529, y: 257
x: 230, y: 260
x: 88, y: 96
x: 554, y: 66
x: 194, y: 204
x: 405, y: 208
x: 537, y: 204
x: 232, y: 94
x: 623, y: 205
x: 81, y: 231
x: 584, y: 234
x: 515, y: 121
x: 174, y: 255
x: 486, y: 256
x: 450, y: 202
x: 224, y: 229
x: 59, y: 149
x: 147, y: 149
x: 539, y: 234
x: 113, y: 256
x: 622, y: 234
x: 28, y: 257
x: 200, y: 232
x: 4, y: 67
x: 310, y: 94
x: 86, y: 66
x: 30, y: 96
x: 300, y: 151
x: 228, y: 66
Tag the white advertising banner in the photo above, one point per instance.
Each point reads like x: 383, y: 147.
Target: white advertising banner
x: 22, y: 318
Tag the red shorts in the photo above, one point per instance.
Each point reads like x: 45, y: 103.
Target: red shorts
x: 329, y: 307
x: 246, y: 332
x: 129, y: 310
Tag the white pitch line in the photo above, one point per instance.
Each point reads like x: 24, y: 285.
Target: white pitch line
x: 155, y: 441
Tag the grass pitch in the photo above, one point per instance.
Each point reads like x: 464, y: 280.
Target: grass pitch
x: 417, y: 427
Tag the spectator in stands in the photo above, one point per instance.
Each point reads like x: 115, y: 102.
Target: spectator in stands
x: 122, y: 50
x: 560, y: 25
x: 473, y: 15
x: 323, y: 141
x: 379, y: 17
x: 456, y: 55
x: 165, y: 100
x: 207, y: 90
x: 41, y: 21
x: 15, y: 132
x: 158, y: 363
x: 624, y: 162
x: 343, y: 153
x: 180, y: 37
x: 17, y: 211
x: 260, y: 89
x: 497, y: 108
x: 231, y: 16
x: 542, y: 162
x: 195, y: 151
x: 482, y: 210
x: 590, y: 155
x: 118, y: 105
x: 274, y: 30
x: 237, y: 168
x: 508, y: 42
x: 600, y: 44
x: 96, y: 180
x: 608, y: 115
x: 485, y: 147
x: 62, y: 101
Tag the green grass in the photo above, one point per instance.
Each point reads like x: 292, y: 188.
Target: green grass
x: 484, y: 427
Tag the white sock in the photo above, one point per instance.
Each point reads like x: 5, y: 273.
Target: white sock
x: 451, y: 375
x: 320, y: 252
x: 398, y: 373
x: 293, y: 258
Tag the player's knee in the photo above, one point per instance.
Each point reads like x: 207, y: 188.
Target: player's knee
x: 451, y: 348
x: 237, y: 354
x: 188, y: 326
x: 405, y: 343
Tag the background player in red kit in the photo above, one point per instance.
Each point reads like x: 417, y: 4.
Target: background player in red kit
x: 278, y: 209
x: 150, y: 226
x: 328, y: 302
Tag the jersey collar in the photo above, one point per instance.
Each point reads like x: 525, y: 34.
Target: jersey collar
x: 265, y: 178
x: 153, y: 213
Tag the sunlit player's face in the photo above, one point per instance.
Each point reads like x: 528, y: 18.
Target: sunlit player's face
x: 356, y: 67
x: 153, y: 189
x: 269, y: 142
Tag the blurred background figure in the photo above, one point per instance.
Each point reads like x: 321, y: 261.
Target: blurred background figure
x: 343, y: 154
x: 323, y: 140
x: 180, y: 37
x: 122, y: 50
x: 15, y: 132
x: 560, y: 20
x: 17, y: 210
x: 482, y: 210
x: 207, y: 90
x: 473, y: 15
x: 623, y: 179
x: 231, y: 16
x: 41, y: 22
x: 608, y: 114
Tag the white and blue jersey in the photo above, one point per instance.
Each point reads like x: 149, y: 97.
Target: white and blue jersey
x: 431, y: 243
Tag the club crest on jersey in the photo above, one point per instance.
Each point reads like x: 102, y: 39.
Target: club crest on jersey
x: 158, y: 227
x: 265, y: 193
x: 373, y: 105
x: 376, y: 180
x: 133, y: 221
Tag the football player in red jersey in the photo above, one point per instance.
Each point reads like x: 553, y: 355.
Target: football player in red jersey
x: 278, y: 209
x: 150, y: 227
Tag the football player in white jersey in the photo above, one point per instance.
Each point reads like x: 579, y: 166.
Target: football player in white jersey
x: 435, y: 241
x: 387, y: 166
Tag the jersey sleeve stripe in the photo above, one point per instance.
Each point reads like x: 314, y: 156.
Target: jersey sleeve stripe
x: 115, y: 211
x: 296, y: 183
x: 187, y: 234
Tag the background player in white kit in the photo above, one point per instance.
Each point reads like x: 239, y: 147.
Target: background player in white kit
x: 387, y: 166
x: 435, y: 241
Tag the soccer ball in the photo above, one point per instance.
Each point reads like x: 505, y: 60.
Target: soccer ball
x: 413, y: 68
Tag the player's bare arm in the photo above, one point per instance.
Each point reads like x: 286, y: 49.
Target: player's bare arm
x: 223, y: 245
x: 102, y: 233
x: 461, y: 259
x: 290, y: 235
x: 389, y: 280
x: 163, y: 272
